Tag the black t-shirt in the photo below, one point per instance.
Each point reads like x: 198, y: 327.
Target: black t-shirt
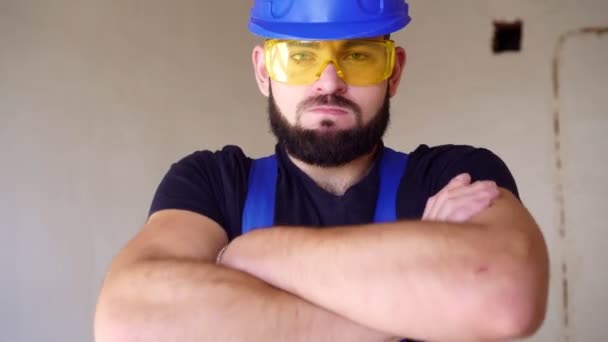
x: 214, y: 184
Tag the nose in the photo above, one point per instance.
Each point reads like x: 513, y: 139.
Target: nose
x: 330, y: 82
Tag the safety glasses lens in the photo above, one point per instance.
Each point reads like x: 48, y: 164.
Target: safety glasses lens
x: 358, y: 62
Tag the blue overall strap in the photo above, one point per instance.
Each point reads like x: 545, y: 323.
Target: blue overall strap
x: 259, y: 204
x: 392, y: 169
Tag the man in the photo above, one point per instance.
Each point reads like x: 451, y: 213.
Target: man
x: 433, y: 246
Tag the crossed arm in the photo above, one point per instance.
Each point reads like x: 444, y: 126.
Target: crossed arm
x: 164, y: 286
x: 484, y: 279
x: 481, y: 280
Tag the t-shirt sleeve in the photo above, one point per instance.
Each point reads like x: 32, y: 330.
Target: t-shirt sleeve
x: 480, y: 163
x: 430, y: 169
x: 189, y: 185
x: 213, y: 184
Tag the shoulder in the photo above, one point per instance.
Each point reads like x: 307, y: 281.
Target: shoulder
x: 439, y: 164
x: 204, y: 173
x: 211, y: 166
x: 443, y: 153
x: 211, y: 183
x: 431, y: 168
x: 226, y: 158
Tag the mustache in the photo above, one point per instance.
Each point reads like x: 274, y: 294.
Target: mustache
x: 329, y: 100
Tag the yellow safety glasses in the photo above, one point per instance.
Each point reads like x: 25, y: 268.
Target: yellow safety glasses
x: 359, y: 62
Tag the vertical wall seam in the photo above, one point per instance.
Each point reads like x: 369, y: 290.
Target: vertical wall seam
x: 559, y: 177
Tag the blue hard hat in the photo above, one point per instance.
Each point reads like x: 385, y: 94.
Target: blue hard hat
x: 327, y: 19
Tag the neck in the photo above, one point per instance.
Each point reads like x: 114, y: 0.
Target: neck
x: 339, y: 179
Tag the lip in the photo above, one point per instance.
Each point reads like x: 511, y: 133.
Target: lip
x: 329, y: 110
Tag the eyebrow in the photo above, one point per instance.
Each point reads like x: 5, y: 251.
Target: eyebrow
x: 316, y: 44
x: 307, y: 44
x: 353, y: 43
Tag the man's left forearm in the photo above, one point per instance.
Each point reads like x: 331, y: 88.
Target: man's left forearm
x: 477, y: 281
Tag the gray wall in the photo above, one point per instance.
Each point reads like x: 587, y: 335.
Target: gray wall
x: 98, y: 98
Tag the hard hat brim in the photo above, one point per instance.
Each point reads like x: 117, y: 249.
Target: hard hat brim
x: 326, y: 31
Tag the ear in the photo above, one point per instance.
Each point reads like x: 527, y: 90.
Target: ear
x: 395, y: 79
x: 259, y: 67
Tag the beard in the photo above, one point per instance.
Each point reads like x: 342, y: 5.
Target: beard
x: 333, y: 148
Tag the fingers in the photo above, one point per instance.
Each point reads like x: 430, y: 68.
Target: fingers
x: 462, y: 208
x: 458, y: 202
x: 451, y: 204
x: 488, y: 188
x: 472, y: 201
x: 456, y: 182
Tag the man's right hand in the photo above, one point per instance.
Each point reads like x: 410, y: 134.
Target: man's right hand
x: 460, y: 200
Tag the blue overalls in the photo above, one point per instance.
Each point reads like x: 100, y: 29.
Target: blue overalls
x: 260, y: 202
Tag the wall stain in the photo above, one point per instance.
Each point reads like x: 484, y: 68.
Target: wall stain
x: 559, y: 184
x: 565, y: 294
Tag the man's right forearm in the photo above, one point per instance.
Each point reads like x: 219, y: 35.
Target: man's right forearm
x: 177, y: 300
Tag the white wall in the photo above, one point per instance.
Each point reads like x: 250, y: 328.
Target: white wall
x: 584, y: 117
x: 98, y: 98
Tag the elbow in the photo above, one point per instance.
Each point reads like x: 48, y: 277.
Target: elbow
x: 118, y: 318
x: 516, y: 308
x: 516, y: 318
x: 105, y: 328
x: 107, y: 324
x: 515, y: 315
